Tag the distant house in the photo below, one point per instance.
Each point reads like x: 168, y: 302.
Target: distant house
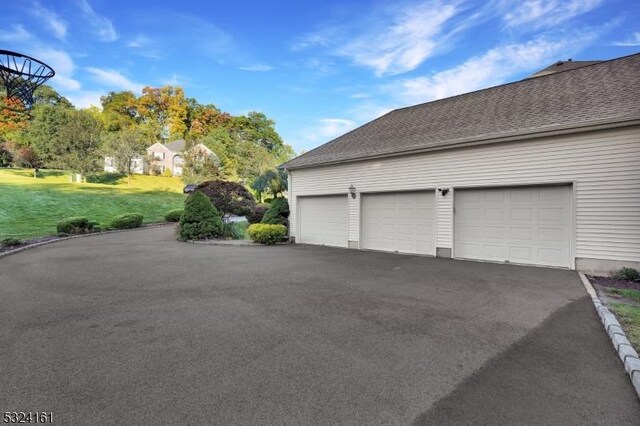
x: 170, y: 155
x: 160, y: 157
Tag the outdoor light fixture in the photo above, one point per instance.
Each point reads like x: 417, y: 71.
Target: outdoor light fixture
x: 352, y: 191
x: 443, y: 191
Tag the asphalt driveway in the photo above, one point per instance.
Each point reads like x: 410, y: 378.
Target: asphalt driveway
x: 138, y: 328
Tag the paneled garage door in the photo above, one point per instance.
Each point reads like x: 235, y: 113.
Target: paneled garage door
x: 400, y: 221
x: 530, y: 225
x: 323, y: 220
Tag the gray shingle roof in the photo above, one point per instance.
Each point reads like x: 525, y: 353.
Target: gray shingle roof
x: 176, y: 146
x: 604, y: 92
x: 563, y: 66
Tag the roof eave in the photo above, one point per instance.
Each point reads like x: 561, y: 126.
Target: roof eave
x: 462, y: 143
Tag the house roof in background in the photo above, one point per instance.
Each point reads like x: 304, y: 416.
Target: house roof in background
x: 176, y: 146
x: 562, y: 66
x: 602, y: 92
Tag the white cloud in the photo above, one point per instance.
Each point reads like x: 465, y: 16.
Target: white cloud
x: 112, y: 78
x: 491, y: 68
x: 103, y: 27
x: 85, y: 98
x: 324, y: 130
x: 139, y: 42
x: 257, y: 68
x: 16, y: 35
x: 56, y: 24
x: 175, y: 80
x: 393, y: 41
x: 545, y: 13
x: 62, y: 64
x: 632, y: 40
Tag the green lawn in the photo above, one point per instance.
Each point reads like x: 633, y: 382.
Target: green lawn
x: 31, y: 207
x: 629, y: 318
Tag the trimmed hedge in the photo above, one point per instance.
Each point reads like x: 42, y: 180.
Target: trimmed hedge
x: 127, y: 221
x: 173, y: 215
x: 76, y: 225
x: 265, y: 233
x: 258, y: 213
x: 278, y: 212
x: 200, y: 218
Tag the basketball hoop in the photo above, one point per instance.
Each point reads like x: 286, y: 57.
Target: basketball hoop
x: 22, y: 74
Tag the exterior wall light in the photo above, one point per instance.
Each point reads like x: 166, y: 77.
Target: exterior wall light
x: 352, y: 191
x: 443, y: 191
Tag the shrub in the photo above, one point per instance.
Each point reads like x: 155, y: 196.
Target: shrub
x: 127, y: 221
x: 200, y: 218
x: 75, y: 225
x: 173, y: 215
x: 258, y: 213
x: 234, y: 230
x: 627, y: 274
x: 167, y: 173
x: 229, y: 198
x: 10, y: 242
x: 265, y: 233
x: 278, y: 212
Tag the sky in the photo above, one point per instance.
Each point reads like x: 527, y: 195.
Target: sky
x: 319, y: 69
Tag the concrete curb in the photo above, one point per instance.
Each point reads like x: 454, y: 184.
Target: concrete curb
x: 72, y: 237
x: 625, y: 351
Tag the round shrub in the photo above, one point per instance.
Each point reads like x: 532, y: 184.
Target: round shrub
x: 229, y: 198
x: 127, y: 221
x: 265, y: 233
x: 627, y: 274
x: 200, y: 218
x: 173, y: 215
x: 75, y: 225
x: 258, y: 213
x: 278, y: 212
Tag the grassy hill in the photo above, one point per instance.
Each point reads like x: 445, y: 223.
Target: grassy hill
x: 31, y: 207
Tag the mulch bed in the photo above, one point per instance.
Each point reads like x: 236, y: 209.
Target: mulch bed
x: 613, y: 283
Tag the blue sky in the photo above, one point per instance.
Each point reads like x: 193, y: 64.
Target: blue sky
x: 318, y: 69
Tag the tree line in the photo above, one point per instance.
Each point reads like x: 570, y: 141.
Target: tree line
x: 55, y: 134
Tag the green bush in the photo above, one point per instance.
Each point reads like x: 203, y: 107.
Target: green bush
x: 627, y: 274
x: 173, y: 215
x: 258, y: 213
x: 127, y: 221
x: 75, y: 225
x: 278, y: 212
x: 200, y: 218
x: 10, y: 242
x: 167, y: 173
x: 265, y: 233
x: 234, y: 230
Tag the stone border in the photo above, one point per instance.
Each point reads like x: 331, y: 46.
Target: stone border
x: 71, y: 237
x: 625, y: 351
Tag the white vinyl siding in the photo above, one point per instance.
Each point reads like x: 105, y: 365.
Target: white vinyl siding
x: 324, y: 220
x: 402, y: 222
x: 444, y: 218
x: 603, y: 165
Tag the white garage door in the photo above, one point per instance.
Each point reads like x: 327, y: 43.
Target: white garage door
x: 323, y: 220
x: 530, y: 225
x: 400, y: 221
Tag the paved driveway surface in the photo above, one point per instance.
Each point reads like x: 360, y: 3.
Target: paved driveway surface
x: 138, y: 328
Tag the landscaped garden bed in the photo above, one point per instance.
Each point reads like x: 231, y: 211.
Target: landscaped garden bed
x: 621, y: 293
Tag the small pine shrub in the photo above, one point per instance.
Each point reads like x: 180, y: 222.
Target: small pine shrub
x: 627, y: 274
x: 127, y: 221
x: 173, y: 215
x: 75, y: 225
x: 200, y: 219
x: 278, y: 212
x: 10, y: 242
x: 258, y: 213
x: 265, y: 233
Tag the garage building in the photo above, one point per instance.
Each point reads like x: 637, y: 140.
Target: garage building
x: 543, y: 171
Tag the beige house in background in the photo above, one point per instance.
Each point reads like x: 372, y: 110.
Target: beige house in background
x: 168, y: 156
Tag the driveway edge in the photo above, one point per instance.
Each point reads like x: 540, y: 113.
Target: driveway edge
x: 621, y: 344
x: 71, y: 237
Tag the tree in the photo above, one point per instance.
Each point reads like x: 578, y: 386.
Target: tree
x: 230, y: 198
x: 119, y: 110
x: 199, y: 165
x: 274, y: 181
x: 43, y: 131
x: 27, y: 157
x: 200, y: 218
x: 79, y: 142
x: 125, y: 146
